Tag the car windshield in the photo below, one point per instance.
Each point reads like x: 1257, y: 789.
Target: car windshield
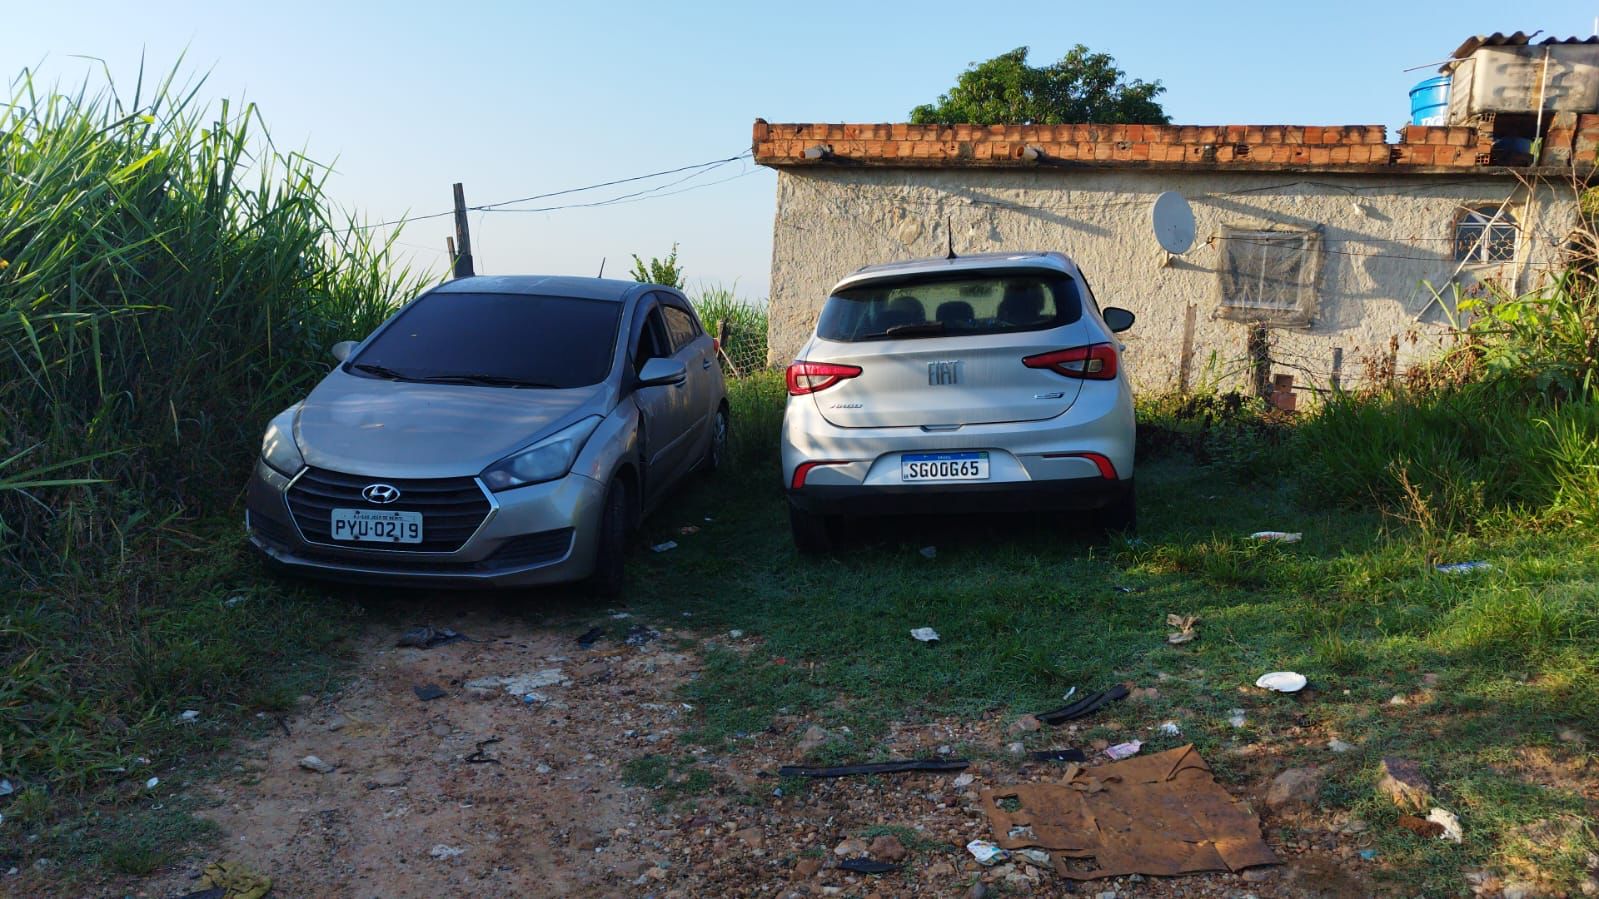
x: 496, y: 340
x: 967, y: 303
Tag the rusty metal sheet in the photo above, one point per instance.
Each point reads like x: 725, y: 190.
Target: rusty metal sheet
x: 1161, y: 814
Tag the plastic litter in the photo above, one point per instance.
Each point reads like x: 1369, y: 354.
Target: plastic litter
x: 1171, y: 729
x: 1185, y: 628
x: 1125, y: 750
x: 638, y: 635
x: 1236, y: 717
x: 1450, y: 824
x: 232, y: 601
x: 151, y: 783
x: 428, y: 692
x: 442, y: 852
x: 1368, y: 854
x: 866, y: 866
x: 688, y: 530
x: 925, y: 634
x: 6, y: 789
x: 929, y: 552
x: 1277, y: 536
x: 1282, y: 681
x: 188, y: 716
x: 668, y: 546
x: 986, y: 853
x: 1337, y: 745
x: 1463, y: 567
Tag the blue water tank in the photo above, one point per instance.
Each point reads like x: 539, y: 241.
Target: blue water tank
x: 1429, y: 102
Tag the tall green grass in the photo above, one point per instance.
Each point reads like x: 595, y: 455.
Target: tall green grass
x: 168, y: 279
x: 746, y: 322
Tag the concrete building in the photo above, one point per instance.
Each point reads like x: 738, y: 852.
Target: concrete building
x: 1333, y: 239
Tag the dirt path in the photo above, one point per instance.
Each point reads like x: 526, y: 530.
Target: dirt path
x: 485, y: 791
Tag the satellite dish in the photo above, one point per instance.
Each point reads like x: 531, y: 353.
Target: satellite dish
x: 1173, y: 221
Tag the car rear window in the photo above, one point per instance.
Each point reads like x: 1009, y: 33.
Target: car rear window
x: 968, y: 303
x: 520, y: 340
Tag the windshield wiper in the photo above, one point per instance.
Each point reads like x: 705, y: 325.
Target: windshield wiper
x: 483, y: 379
x: 911, y: 330
x: 380, y: 370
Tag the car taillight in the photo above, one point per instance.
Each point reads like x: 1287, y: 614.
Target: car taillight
x: 804, y: 468
x: 811, y: 377
x: 1096, y: 362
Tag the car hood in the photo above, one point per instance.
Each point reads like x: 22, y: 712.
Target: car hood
x: 406, y: 430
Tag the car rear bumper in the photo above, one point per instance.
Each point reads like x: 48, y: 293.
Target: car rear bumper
x: 986, y: 498
x: 540, y: 534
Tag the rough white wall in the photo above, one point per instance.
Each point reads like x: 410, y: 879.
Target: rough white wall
x: 1385, y: 238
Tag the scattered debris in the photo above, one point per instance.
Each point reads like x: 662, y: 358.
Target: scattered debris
x: 442, y: 852
x: 876, y: 768
x: 1368, y: 854
x: 6, y: 789
x: 427, y: 637
x: 232, y: 601
x: 1282, y: 681
x: 619, y: 616
x: 929, y: 552
x: 1337, y: 745
x: 312, y: 763
x: 1403, y: 782
x: 986, y: 853
x: 1049, y: 755
x: 1125, y: 750
x: 590, y: 637
x: 235, y: 880
x: 1171, y: 729
x: 1276, y: 536
x: 964, y: 780
x: 668, y: 546
x: 1123, y: 588
x: 1085, y: 706
x: 1292, y: 788
x: 1463, y: 567
x: 189, y: 716
x: 735, y: 634
x: 1450, y: 824
x: 866, y: 866
x: 1236, y: 718
x: 1421, y: 827
x: 1185, y: 628
x: 638, y: 635
x: 152, y: 783
x: 925, y: 634
x: 520, y: 685
x: 688, y: 530
x: 479, y: 757
x: 428, y: 692
x: 1017, y: 747
x: 1171, y: 817
x: 1398, y: 699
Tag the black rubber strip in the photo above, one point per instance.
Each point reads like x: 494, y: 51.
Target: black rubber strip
x: 876, y: 768
x: 1086, y: 705
x: 866, y: 866
x: 1058, y: 755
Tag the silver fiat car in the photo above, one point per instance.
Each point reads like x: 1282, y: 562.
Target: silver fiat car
x: 496, y: 431
x: 991, y: 382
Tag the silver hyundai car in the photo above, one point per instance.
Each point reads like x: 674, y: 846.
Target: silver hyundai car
x: 986, y: 382
x: 496, y: 431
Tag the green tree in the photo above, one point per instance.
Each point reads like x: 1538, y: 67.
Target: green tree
x: 659, y: 271
x: 1082, y: 87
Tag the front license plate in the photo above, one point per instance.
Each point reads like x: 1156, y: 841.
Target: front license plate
x: 917, y: 467
x: 374, y: 526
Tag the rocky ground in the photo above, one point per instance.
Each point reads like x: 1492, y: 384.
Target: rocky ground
x: 516, y: 782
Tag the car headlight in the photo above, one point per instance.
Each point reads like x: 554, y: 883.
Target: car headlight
x: 277, y: 445
x: 546, y: 460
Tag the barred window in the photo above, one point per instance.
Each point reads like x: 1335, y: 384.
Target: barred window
x: 1270, y: 276
x: 1485, y: 234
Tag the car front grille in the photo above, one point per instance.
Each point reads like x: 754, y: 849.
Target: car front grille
x: 452, y: 508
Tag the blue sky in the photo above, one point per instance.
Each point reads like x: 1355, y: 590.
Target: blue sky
x: 516, y: 99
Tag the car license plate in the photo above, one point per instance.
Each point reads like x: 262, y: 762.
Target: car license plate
x: 375, y: 526
x: 916, y: 467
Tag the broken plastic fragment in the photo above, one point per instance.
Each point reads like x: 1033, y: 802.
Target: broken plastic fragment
x: 151, y: 783
x: 1125, y: 750
x: 1236, y: 718
x: 925, y: 634
x: 1170, y: 729
x: 188, y: 715
x: 1282, y: 681
x: 1276, y: 536
x: 1185, y: 628
x: 986, y: 853
x: 664, y: 547
x: 1450, y: 824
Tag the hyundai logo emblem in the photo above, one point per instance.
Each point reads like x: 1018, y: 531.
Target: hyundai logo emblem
x: 381, y: 494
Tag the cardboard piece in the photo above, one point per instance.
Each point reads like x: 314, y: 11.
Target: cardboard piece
x: 1160, y: 815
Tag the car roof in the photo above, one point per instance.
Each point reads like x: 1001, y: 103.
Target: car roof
x: 613, y: 289
x: 976, y: 262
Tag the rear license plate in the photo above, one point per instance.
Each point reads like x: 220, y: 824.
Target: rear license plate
x: 917, y: 467
x: 374, y: 526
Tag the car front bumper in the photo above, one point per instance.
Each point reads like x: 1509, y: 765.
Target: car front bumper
x: 535, y: 535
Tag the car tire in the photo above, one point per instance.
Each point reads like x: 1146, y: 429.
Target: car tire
x: 610, y: 557
x: 716, y: 454
x: 813, y: 534
x: 1121, y: 516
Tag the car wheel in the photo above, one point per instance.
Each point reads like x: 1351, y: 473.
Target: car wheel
x: 608, y: 577
x: 813, y: 534
x: 1121, y: 516
x: 716, y: 453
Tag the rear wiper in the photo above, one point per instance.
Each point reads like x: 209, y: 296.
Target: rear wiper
x: 911, y: 330
x: 380, y: 370
x: 483, y: 379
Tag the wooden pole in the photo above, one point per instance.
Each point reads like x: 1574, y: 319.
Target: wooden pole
x: 449, y: 245
x: 463, y: 237
x: 1337, y: 368
x: 1186, y: 360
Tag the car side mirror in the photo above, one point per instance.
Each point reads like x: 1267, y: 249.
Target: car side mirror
x: 660, y: 372
x: 1118, y: 319
x: 342, y: 350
